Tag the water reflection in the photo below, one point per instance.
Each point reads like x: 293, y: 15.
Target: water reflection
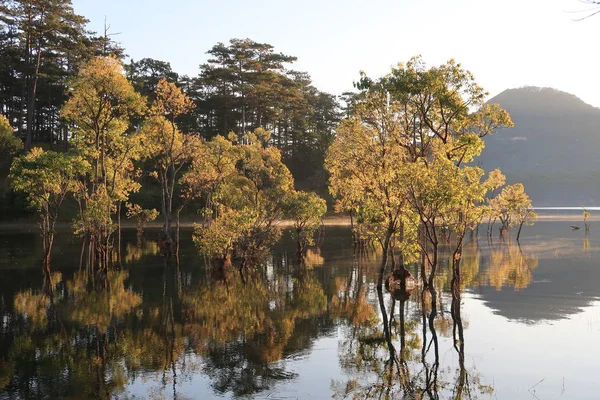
x: 509, y: 266
x: 243, y: 328
x: 396, y: 360
x: 171, y: 328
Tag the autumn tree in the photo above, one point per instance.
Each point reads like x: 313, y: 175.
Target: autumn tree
x: 213, y: 162
x: 513, y: 208
x: 10, y: 145
x: 141, y: 215
x: 447, y: 198
x: 306, y: 211
x: 427, y: 124
x: 167, y: 147
x: 496, y: 181
x: 101, y: 103
x: 246, y: 202
x: 586, y: 216
x: 46, y: 177
x: 366, y: 166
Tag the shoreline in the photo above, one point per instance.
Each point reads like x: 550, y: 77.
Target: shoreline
x: 327, y: 221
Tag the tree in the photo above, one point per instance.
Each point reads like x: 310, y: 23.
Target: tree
x: 595, y: 4
x: 10, y: 145
x: 245, y: 203
x: 306, y: 211
x: 401, y: 158
x: 246, y: 85
x: 212, y: 164
x: 496, y: 180
x: 101, y: 103
x: 147, y: 73
x: 513, y: 207
x: 141, y: 215
x: 236, y: 74
x: 586, y: 216
x: 46, y: 177
x: 168, y: 148
x: 365, y: 163
x: 48, y: 30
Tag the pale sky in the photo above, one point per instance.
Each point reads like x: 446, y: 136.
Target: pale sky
x: 506, y: 44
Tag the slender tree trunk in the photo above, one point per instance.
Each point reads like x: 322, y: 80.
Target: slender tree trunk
x: 384, y: 257
x: 178, y: 212
x: 48, y: 253
x: 299, y: 244
x: 519, y: 231
x: 119, y: 232
x: 165, y: 209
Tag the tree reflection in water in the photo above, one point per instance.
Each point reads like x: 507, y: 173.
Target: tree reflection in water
x: 83, y: 335
x: 244, y: 329
x: 389, y: 359
x: 90, y: 336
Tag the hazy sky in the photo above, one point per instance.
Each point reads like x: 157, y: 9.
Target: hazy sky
x: 506, y: 44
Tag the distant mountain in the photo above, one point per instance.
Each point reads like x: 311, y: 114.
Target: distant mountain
x: 554, y: 148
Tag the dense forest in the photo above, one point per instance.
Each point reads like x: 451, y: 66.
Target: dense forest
x: 244, y: 85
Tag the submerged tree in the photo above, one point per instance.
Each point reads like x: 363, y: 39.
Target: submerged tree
x: 401, y: 160
x: 496, y: 180
x: 366, y: 163
x: 99, y: 108
x: 141, y: 215
x: 246, y: 200
x: 513, y: 208
x: 306, y: 211
x: 46, y: 177
x: 167, y: 147
x: 586, y: 216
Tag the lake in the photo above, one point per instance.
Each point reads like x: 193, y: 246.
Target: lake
x: 524, y: 325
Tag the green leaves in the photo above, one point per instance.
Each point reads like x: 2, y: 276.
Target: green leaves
x: 306, y: 211
x: 46, y: 176
x: 10, y: 145
x: 512, y: 206
x: 248, y: 189
x: 399, y: 161
x: 100, y: 107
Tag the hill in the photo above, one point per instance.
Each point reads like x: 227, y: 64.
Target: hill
x: 553, y: 148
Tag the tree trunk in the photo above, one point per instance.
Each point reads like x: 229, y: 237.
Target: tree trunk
x: 165, y: 208
x: 119, y: 232
x: 177, y: 231
x: 519, y: 231
x: 434, y: 263
x: 384, y: 257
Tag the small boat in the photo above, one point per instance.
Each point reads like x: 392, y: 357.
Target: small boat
x: 574, y: 227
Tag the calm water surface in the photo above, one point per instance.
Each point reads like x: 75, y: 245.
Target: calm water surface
x: 526, y: 324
